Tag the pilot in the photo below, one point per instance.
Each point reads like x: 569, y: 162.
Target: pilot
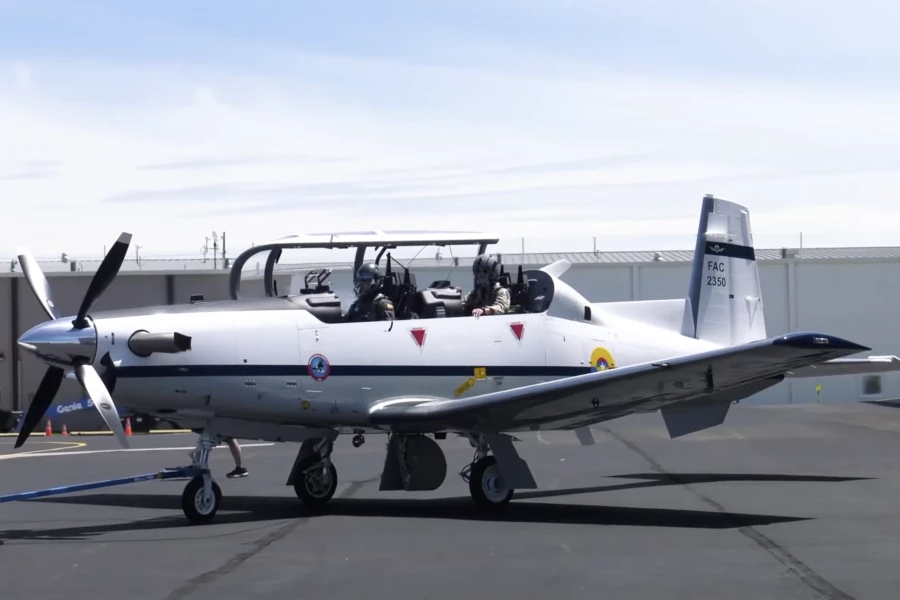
x: 370, y: 303
x: 488, y: 297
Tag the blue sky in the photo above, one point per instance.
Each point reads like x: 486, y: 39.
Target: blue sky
x: 557, y: 121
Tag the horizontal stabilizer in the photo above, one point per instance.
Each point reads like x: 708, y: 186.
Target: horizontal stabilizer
x: 558, y: 268
x: 849, y: 366
x: 671, y: 315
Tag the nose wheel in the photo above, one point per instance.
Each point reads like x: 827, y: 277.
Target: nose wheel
x: 200, y: 503
x: 358, y: 440
x: 202, y: 496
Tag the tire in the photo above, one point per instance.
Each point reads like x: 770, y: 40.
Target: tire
x: 485, y: 474
x: 312, y: 495
x: 192, y: 501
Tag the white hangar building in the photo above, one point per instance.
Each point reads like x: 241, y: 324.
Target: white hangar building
x: 849, y: 292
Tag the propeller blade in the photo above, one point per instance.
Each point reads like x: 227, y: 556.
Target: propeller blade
x: 93, y: 385
x: 38, y: 282
x: 44, y: 396
x: 109, y: 375
x: 105, y: 274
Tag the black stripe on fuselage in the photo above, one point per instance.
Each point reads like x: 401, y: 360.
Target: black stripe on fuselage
x: 722, y: 249
x: 346, y: 371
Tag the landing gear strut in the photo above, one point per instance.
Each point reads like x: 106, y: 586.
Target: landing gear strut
x: 201, y: 497
x: 484, y: 478
x: 315, y: 477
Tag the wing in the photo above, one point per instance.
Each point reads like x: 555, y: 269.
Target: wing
x: 848, y: 366
x: 726, y: 374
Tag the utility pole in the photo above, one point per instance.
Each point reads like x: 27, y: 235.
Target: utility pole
x: 215, y: 237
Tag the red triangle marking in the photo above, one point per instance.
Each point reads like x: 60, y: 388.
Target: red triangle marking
x: 418, y: 335
x: 518, y: 329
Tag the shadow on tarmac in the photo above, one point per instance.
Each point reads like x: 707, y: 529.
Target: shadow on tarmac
x: 250, y: 509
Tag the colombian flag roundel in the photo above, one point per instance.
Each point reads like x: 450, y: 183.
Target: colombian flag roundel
x: 602, y: 360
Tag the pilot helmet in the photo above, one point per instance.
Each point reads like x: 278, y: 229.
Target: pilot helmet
x: 368, y: 279
x: 486, y: 269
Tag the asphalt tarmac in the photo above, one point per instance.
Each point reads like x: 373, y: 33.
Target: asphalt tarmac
x: 780, y: 502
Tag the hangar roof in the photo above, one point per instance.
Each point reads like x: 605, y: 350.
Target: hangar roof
x: 182, y: 265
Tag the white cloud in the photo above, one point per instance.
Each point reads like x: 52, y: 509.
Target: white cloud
x: 343, y: 144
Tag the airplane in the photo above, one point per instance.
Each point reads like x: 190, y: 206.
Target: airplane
x: 288, y: 368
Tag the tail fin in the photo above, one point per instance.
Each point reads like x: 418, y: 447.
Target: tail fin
x: 725, y: 295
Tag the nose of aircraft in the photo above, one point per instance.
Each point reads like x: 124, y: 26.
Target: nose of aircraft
x: 59, y: 343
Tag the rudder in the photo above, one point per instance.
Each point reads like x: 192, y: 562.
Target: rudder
x: 725, y: 294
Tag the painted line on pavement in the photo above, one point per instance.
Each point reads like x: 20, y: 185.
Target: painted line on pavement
x: 83, y: 452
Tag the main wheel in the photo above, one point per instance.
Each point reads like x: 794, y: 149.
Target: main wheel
x: 196, y: 508
x: 486, y: 484
x: 314, y: 485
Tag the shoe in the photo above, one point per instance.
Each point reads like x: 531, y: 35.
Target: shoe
x: 238, y: 472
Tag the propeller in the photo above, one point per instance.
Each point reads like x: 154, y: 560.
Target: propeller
x: 64, y: 344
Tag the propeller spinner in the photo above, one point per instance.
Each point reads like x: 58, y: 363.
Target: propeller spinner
x: 70, y: 344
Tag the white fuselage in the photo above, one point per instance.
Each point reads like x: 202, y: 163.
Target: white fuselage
x: 256, y: 364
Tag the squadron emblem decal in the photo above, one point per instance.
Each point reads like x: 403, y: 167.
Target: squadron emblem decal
x: 601, y: 360
x: 318, y: 367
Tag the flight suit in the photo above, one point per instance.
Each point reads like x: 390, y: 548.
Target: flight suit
x: 379, y: 308
x: 498, y: 302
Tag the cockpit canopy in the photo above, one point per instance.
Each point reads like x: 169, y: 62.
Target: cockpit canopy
x: 531, y: 291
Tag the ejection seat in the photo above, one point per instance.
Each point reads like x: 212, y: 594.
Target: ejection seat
x: 402, y: 293
x: 520, y: 300
x: 438, y: 303
x: 319, y: 299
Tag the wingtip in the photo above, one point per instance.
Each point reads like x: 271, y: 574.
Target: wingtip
x: 812, y: 339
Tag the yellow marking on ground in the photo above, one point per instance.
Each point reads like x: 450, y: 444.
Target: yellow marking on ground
x: 72, y: 446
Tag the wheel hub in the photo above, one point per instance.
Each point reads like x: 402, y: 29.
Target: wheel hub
x: 317, y: 480
x: 492, y: 484
x: 202, y: 502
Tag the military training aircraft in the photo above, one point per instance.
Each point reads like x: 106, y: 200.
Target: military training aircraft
x: 290, y: 368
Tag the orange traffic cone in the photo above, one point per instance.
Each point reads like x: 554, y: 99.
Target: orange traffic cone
x: 65, y: 431
x: 127, y: 425
x: 48, y: 430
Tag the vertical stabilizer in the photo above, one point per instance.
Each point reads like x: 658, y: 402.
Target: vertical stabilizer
x: 725, y: 295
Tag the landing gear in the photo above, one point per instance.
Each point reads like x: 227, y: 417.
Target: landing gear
x: 315, y: 477
x: 202, y: 496
x: 485, y: 481
x: 200, y: 506
x: 358, y: 440
x: 486, y: 484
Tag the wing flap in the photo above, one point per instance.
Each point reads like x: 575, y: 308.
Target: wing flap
x: 603, y: 395
x: 683, y: 419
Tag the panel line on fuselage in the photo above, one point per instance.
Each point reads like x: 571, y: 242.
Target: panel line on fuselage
x: 348, y: 371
